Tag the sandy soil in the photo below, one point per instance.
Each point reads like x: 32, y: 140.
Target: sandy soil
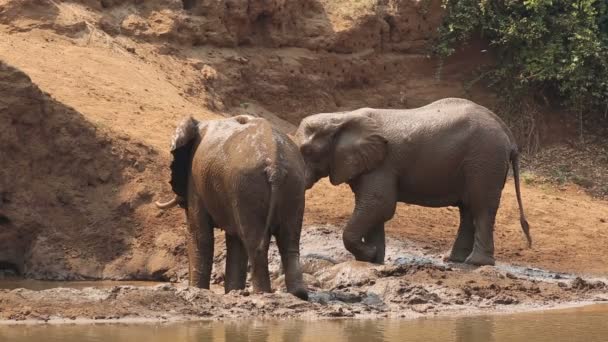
x: 90, y: 98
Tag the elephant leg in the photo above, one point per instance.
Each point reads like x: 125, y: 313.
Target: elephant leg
x: 483, y: 247
x: 288, y: 241
x: 256, y: 242
x: 375, y: 202
x: 260, y: 277
x: 200, y: 245
x: 236, y: 264
x: 463, y: 245
x: 376, y: 238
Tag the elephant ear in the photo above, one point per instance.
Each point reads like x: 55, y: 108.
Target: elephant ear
x: 359, y: 147
x: 181, y: 149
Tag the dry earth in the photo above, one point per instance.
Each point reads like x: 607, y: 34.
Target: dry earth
x: 90, y: 92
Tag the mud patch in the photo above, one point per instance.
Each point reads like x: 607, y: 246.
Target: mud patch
x: 339, y: 287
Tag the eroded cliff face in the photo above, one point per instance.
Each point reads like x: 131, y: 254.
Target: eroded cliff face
x: 71, y: 195
x: 289, y: 58
x: 341, y: 26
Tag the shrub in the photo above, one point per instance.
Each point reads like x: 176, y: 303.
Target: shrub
x: 557, y: 49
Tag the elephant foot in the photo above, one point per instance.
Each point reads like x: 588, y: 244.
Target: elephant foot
x: 367, y: 254
x: 479, y: 259
x: 300, y: 292
x: 458, y: 255
x: 378, y: 261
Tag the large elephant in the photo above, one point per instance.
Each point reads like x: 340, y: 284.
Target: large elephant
x: 451, y: 152
x: 242, y: 175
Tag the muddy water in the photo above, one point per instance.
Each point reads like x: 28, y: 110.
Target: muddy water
x: 39, y: 285
x: 587, y: 324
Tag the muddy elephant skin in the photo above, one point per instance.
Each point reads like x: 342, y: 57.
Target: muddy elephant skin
x: 241, y: 175
x: 451, y: 152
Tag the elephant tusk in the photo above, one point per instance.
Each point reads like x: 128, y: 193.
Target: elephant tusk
x: 167, y: 205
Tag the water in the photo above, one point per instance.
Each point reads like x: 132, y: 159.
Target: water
x: 588, y: 324
x: 39, y: 285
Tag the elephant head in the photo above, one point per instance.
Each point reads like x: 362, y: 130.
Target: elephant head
x: 340, y: 145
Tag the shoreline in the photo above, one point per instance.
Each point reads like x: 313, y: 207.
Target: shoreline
x: 526, y: 309
x: 413, y: 284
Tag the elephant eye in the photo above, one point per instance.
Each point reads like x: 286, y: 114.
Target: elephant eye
x: 306, y: 150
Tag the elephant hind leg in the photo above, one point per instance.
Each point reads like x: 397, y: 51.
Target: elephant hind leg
x: 485, y: 183
x: 288, y: 241
x: 258, y: 258
x: 289, y: 248
x: 483, y: 247
x: 465, y: 238
x: 236, y: 264
x: 256, y: 241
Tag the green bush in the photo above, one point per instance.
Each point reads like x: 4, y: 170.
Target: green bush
x: 557, y: 49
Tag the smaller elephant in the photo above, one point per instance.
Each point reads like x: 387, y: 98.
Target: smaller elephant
x: 452, y: 152
x: 244, y: 176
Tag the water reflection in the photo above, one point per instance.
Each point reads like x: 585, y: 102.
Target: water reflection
x: 480, y: 329
x: 588, y: 324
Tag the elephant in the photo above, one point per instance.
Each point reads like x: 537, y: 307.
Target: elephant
x: 451, y: 152
x: 246, y: 177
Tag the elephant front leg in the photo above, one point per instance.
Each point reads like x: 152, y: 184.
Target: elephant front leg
x: 463, y: 245
x: 236, y: 264
x: 375, y: 201
x: 200, y: 247
x: 376, y: 238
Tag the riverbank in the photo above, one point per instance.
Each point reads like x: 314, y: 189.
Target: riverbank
x: 414, y: 283
x: 574, y: 324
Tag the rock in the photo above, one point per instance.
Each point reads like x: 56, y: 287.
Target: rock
x: 490, y: 271
x: 505, y: 300
x: 164, y: 287
x: 583, y: 285
x: 345, y: 297
x: 372, y: 299
x: 321, y: 297
x: 109, y: 26
x: 346, y: 273
x: 312, y: 265
x: 417, y: 300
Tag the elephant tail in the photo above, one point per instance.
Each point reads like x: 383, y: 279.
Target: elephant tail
x: 275, y: 179
x: 181, y: 149
x: 522, y: 217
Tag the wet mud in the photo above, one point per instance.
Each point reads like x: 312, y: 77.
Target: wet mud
x: 412, y: 283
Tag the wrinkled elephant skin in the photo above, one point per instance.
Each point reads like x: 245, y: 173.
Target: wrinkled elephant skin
x: 241, y: 175
x: 451, y: 152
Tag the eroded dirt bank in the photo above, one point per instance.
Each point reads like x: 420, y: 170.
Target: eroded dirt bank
x: 412, y: 283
